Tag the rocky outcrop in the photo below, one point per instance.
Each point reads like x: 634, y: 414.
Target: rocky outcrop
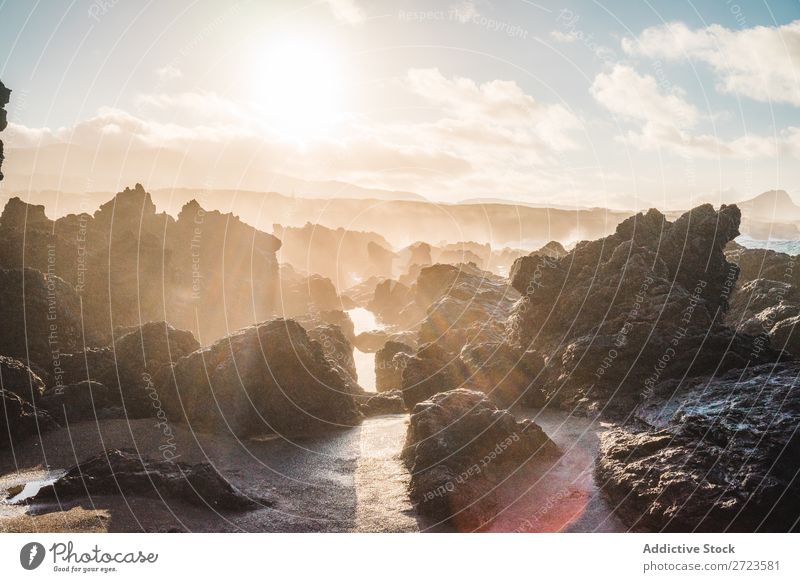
x: 458, y: 448
x: 390, y: 361
x: 714, y: 455
x: 430, y: 371
x: 122, y: 375
x: 617, y: 315
x: 337, y: 349
x: 124, y: 472
x: 763, y: 264
x: 506, y: 374
x: 267, y: 378
x: 42, y: 318
x: 464, y: 305
x: 17, y: 378
x: 21, y: 410
x: 769, y: 310
x: 5, y: 96
x: 86, y: 400
x: 383, y: 403
x: 206, y: 271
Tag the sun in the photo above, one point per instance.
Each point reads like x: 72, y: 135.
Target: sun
x: 299, y: 89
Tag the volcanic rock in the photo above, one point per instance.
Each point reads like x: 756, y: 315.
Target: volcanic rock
x: 719, y: 454
x: 124, y: 472
x: 19, y: 419
x: 617, y: 315
x: 458, y: 448
x: 390, y: 361
x: 383, y: 403
x: 267, y: 378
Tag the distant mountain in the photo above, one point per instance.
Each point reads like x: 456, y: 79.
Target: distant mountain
x: 771, y: 206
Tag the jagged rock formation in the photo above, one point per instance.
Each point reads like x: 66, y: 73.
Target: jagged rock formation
x: 459, y: 446
x: 42, y: 318
x: 763, y: 264
x: 464, y: 305
x: 344, y: 256
x: 383, y: 403
x: 647, y: 303
x: 124, y: 472
x: 267, y: 378
x: 206, y: 271
x: 5, y: 96
x: 390, y: 361
x: 716, y: 455
x: 19, y: 418
x: 338, y: 350
x: 768, y: 310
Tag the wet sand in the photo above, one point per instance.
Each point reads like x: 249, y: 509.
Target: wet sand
x: 347, y: 481
x: 561, y: 496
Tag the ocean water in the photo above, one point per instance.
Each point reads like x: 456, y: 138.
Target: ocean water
x: 790, y: 247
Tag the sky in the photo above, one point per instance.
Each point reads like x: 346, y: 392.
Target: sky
x: 617, y: 104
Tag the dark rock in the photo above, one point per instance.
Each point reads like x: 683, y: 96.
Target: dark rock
x: 337, y: 349
x: 5, y: 96
x: 508, y: 375
x: 83, y: 401
x: 458, y: 448
x: 42, y: 322
x: 715, y: 455
x: 389, y: 368
x: 123, y: 472
x: 771, y: 309
x: 430, y: 371
x: 617, y: 315
x: 388, y: 301
x: 383, y: 403
x: 268, y: 378
x: 763, y: 264
x: 16, y: 377
x: 19, y: 419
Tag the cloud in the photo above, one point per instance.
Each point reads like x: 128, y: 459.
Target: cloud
x: 347, y: 11
x: 667, y: 120
x: 168, y: 73
x: 501, y: 106
x: 762, y: 63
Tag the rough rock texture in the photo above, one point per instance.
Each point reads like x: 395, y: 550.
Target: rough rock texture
x: 123, y: 472
x: 207, y: 272
x: 19, y: 419
x: 459, y: 446
x: 617, y: 315
x: 770, y: 310
x: 16, y: 377
x: 763, y: 264
x: 5, y: 95
x: 388, y: 301
x: 268, y: 378
x: 430, y: 371
x: 79, y: 402
x: 383, y: 403
x: 337, y: 349
x: 42, y: 321
x: 464, y: 305
x: 508, y: 375
x: 716, y: 455
x: 127, y: 371
x: 390, y: 361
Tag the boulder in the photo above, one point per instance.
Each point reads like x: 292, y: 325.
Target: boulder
x: 19, y: 419
x: 713, y: 455
x: 430, y: 371
x: 769, y: 310
x: 459, y: 447
x: 267, y: 378
x: 389, y: 367
x: 508, y: 375
x: 337, y: 349
x: 86, y: 400
x: 17, y: 378
x: 383, y: 403
x: 124, y: 472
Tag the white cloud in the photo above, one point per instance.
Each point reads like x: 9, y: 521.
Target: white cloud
x: 168, y: 73
x: 499, y: 105
x: 667, y: 120
x: 761, y: 63
x: 347, y: 11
